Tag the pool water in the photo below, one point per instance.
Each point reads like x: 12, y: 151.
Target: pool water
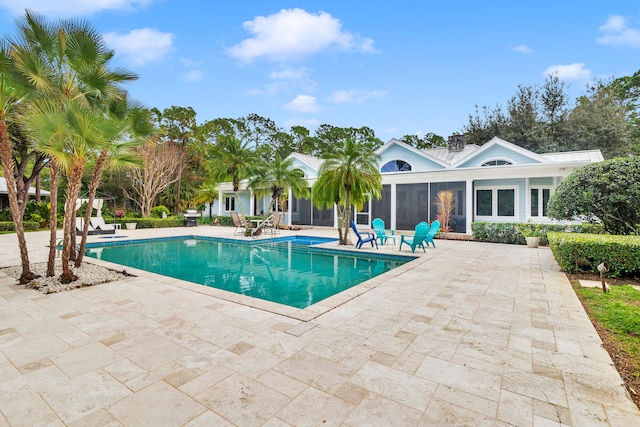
x: 289, y: 272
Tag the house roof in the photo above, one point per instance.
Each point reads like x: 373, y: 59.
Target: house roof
x: 422, y: 153
x: 506, y: 144
x: 575, y: 156
x: 32, y: 191
x: 313, y: 162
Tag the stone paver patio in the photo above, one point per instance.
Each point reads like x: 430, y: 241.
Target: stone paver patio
x: 468, y: 334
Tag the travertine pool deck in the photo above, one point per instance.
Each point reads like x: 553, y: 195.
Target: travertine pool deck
x: 468, y: 334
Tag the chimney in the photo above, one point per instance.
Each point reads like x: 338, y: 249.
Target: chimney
x: 456, y: 142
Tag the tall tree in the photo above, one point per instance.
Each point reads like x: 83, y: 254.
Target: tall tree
x: 429, y: 140
x: 233, y: 160
x: 179, y: 125
x: 599, y: 121
x: 348, y: 177
x: 555, y: 106
x: 276, y: 178
x: 160, y: 163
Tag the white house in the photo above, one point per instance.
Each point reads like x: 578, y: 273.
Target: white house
x: 498, y: 181
x: 4, y: 194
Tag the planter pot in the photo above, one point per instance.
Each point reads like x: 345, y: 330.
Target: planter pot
x: 131, y: 225
x: 533, y: 242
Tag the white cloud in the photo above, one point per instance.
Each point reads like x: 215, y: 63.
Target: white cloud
x: 295, y: 33
x: 303, y: 104
x: 355, y: 96
x: 568, y: 72
x: 617, y: 33
x: 271, y: 89
x: 192, y: 76
x: 69, y: 8
x: 141, y: 46
x: 522, y: 48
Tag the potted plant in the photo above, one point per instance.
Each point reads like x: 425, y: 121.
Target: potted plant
x: 532, y: 233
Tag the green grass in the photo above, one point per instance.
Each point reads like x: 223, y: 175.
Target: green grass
x: 618, y: 311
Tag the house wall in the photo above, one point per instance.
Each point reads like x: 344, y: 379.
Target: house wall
x: 418, y: 163
x: 498, y: 152
x: 521, y: 195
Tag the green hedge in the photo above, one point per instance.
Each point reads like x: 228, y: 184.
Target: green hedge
x: 173, y: 221
x: 577, y: 253
x: 506, y: 232
x: 6, y: 226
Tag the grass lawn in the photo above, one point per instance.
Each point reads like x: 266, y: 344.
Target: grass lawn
x: 616, y: 317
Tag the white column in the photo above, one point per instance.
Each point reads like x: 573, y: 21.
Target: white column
x: 469, y: 206
x: 393, y: 207
x: 220, y: 201
x: 252, y: 204
x: 289, y: 208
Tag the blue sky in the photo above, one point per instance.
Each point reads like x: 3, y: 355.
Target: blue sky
x: 401, y: 67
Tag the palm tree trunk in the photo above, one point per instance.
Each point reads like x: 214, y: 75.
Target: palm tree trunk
x: 73, y: 191
x: 6, y: 157
x: 178, y: 189
x: 53, y: 219
x: 96, y: 176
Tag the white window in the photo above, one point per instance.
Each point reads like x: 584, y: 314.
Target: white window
x: 538, y: 201
x: 497, y: 162
x: 496, y: 203
x: 230, y: 203
x: 396, y: 166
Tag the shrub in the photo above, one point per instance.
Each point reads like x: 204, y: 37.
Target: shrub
x: 577, y: 253
x: 607, y: 191
x: 9, y: 226
x: 508, y: 232
x: 156, y: 211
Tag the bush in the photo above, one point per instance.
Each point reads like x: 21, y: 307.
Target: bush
x: 5, y: 215
x: 607, y: 191
x: 508, y: 232
x: 9, y: 226
x: 154, y: 222
x: 156, y: 211
x: 576, y: 253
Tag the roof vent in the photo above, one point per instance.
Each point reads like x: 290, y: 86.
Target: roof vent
x: 456, y: 142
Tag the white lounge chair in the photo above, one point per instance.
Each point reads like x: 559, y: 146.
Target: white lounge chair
x: 101, y: 227
x: 80, y: 226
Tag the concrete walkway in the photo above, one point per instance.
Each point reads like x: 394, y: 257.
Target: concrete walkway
x: 468, y: 334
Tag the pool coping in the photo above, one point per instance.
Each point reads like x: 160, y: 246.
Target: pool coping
x: 303, y: 314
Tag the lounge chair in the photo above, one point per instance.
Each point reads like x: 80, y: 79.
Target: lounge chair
x: 381, y: 234
x: 364, y: 237
x: 80, y: 227
x: 240, y: 225
x: 101, y: 227
x: 435, y: 229
x: 417, y: 240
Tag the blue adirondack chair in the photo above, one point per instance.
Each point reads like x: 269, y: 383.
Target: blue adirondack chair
x: 378, y: 227
x: 435, y: 229
x: 364, y: 237
x: 417, y: 240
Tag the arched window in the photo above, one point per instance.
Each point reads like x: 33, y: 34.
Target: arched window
x: 498, y: 162
x: 396, y: 166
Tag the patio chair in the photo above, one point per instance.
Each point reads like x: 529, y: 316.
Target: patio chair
x: 275, y: 222
x: 378, y: 227
x: 80, y: 226
x: 262, y: 226
x: 364, y: 237
x: 433, y: 231
x: 417, y: 240
x: 240, y: 225
x: 101, y: 227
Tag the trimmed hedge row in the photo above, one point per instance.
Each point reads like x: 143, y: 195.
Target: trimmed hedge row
x: 150, y: 222
x: 507, y: 232
x: 576, y: 253
x: 10, y: 226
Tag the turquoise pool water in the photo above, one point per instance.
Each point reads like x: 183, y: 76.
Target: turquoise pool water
x: 286, y: 270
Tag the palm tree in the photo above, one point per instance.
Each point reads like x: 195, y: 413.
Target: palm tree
x: 68, y: 63
x: 232, y: 160
x: 276, y: 178
x: 124, y: 119
x: 207, y: 193
x: 348, y: 177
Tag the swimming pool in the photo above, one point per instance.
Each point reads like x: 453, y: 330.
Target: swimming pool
x: 288, y: 271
